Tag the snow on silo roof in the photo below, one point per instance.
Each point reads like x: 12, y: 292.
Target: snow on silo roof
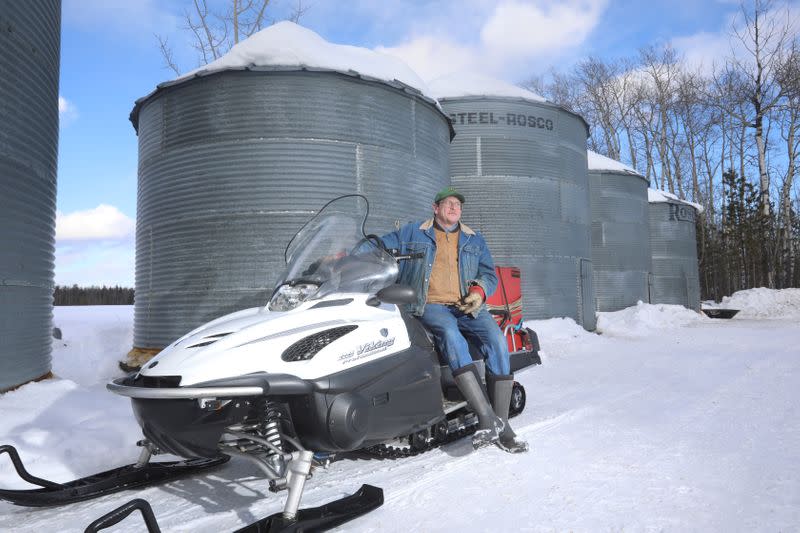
x: 286, y: 44
x: 469, y: 84
x: 600, y: 162
x: 655, y: 196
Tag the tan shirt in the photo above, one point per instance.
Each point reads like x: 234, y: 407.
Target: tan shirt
x: 444, y: 286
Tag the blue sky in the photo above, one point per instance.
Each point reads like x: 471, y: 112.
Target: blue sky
x: 110, y: 58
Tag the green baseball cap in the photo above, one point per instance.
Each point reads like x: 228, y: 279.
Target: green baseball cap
x: 446, y: 192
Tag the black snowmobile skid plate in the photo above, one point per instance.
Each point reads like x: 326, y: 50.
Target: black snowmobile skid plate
x: 322, y: 518
x: 125, y: 477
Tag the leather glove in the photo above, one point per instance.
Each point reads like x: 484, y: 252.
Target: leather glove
x: 472, y: 301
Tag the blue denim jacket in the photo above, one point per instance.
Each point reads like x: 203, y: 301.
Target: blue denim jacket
x: 475, y: 264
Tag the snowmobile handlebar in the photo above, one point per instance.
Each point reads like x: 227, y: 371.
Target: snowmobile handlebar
x: 402, y: 257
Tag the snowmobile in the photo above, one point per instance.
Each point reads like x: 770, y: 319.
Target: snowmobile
x: 331, y: 365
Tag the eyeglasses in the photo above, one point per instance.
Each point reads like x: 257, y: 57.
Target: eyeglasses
x: 456, y: 204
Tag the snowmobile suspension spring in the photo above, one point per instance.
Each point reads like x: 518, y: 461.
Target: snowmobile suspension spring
x: 271, y: 431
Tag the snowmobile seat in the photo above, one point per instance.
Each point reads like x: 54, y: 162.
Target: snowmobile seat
x: 449, y: 388
x: 421, y: 336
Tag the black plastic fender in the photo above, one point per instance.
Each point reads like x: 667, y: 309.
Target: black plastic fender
x: 348, y: 420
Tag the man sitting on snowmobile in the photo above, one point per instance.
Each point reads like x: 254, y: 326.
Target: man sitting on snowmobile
x: 452, y: 284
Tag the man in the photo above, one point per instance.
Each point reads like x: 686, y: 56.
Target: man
x: 452, y: 283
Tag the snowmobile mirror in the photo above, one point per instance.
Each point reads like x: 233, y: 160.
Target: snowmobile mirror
x: 397, y: 294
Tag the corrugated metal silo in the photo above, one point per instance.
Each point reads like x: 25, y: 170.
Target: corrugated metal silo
x: 232, y: 163
x: 620, y: 234
x: 521, y: 163
x: 30, y: 39
x: 673, y: 239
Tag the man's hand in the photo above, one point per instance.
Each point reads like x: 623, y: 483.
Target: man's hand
x: 472, y: 301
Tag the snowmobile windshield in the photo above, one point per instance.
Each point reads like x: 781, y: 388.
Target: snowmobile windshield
x: 332, y: 254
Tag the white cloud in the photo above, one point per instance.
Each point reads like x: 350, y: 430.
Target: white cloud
x: 509, y: 37
x: 431, y: 57
x: 67, y: 112
x: 103, y: 223
x: 703, y: 50
x: 523, y: 29
x: 95, y: 263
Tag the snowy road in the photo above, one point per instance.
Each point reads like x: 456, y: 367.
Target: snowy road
x: 691, y: 427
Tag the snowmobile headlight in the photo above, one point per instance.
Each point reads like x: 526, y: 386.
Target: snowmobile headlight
x: 287, y: 297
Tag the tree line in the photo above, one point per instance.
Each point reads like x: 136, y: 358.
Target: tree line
x: 93, y: 295
x: 724, y: 136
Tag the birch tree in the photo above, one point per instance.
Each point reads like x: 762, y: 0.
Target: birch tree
x: 764, y: 37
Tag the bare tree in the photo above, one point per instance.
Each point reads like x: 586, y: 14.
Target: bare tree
x: 692, y: 114
x: 789, y: 78
x: 601, y: 87
x: 715, y: 139
x: 215, y: 31
x: 662, y: 66
x: 297, y: 11
x: 765, y: 36
x: 644, y: 125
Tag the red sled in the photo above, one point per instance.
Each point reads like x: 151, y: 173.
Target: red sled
x: 506, y: 307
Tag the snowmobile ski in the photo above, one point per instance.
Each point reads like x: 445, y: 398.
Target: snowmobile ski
x: 110, y: 481
x: 119, y: 514
x: 322, y: 518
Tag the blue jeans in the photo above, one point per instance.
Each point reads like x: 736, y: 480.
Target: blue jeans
x: 450, y: 327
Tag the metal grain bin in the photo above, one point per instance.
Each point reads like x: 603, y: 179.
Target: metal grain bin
x: 30, y: 38
x: 232, y: 163
x: 673, y: 240
x: 620, y: 234
x: 521, y: 163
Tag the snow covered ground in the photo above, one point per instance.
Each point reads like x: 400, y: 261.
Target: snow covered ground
x: 665, y: 421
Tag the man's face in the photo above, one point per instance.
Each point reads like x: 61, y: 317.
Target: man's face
x: 447, y: 212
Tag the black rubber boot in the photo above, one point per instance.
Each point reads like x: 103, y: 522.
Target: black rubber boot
x: 500, y: 388
x: 489, y: 425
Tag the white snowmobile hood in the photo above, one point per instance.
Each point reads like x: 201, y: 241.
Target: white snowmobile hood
x: 253, y: 340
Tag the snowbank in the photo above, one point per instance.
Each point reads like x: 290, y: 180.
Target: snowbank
x: 64, y: 431
x: 94, y: 339
x: 469, y: 84
x: 764, y: 303
x: 286, y: 44
x: 657, y: 196
x: 558, y: 329
x: 559, y: 337
x: 600, y: 162
x: 643, y: 319
x: 686, y: 429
